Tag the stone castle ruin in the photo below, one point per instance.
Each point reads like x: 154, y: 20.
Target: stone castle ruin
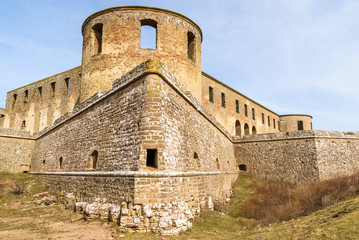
x: 143, y: 136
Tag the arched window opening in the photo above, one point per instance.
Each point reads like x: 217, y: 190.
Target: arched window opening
x: 254, y: 130
x: 149, y: 34
x: 43, y: 166
x: 191, y: 46
x: 196, y: 161
x: 242, y: 167
x: 246, y: 129
x: 59, y: 164
x: 238, y: 128
x: 97, y: 32
x: 152, y: 158
x: 93, y: 160
x: 23, y: 124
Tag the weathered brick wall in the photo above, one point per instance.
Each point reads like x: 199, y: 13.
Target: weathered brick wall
x: 337, y: 152
x: 43, y: 103
x: 227, y: 116
x: 15, y: 150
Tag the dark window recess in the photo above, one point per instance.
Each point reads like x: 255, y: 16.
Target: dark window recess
x: 2, y: 115
x: 278, y: 125
x: 149, y: 34
x: 223, y: 100
x: 43, y: 166
x: 59, y: 166
x: 23, y: 125
x: 14, y: 99
x: 26, y: 95
x: 254, y: 130
x: 217, y: 163
x: 263, y: 118
x: 40, y: 91
x: 268, y: 119
x: 67, y: 82
x: 151, y: 160
x: 237, y: 106
x: 53, y: 87
x: 245, y: 110
x: 210, y: 92
x: 242, y: 167
x: 191, y: 46
x: 300, y: 125
x: 253, y: 114
x: 94, y: 160
x: 273, y: 123
x: 98, y: 31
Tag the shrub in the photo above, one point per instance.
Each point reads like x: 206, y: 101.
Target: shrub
x: 19, y: 188
x: 279, y: 201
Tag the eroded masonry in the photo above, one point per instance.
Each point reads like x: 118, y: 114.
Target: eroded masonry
x: 141, y: 135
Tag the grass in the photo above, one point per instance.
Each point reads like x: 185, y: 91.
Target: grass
x: 338, y: 218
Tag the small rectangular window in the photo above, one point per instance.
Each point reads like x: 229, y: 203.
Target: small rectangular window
x: 263, y: 118
x: 223, y: 100
x: 273, y: 123
x: 40, y: 91
x: 97, y: 30
x: 278, y: 125
x: 210, y: 92
x: 148, y: 34
x: 23, y: 125
x: 253, y: 114
x: 53, y: 86
x: 14, y: 99
x: 237, y: 106
x: 191, y: 46
x: 268, y: 119
x: 245, y: 110
x: 151, y: 160
x: 67, y: 82
x: 300, y: 125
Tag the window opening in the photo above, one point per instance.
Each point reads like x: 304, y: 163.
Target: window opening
x: 237, y: 106
x: 53, y: 86
x: 196, y: 160
x: 253, y: 114
x: 98, y: 31
x: 300, y: 125
x: 263, y: 118
x: 191, y: 46
x: 59, y: 164
x: 278, y: 125
x: 238, y: 128
x: 245, y: 110
x: 23, y: 125
x: 43, y: 166
x: 273, y: 123
x: 67, y: 82
x: 149, y: 34
x: 26, y: 95
x: 93, y: 160
x: 268, y: 119
x: 217, y: 163
x: 223, y: 100
x: 210, y: 92
x: 40, y: 90
x: 242, y: 167
x: 152, y: 157
x: 246, y: 129
x: 14, y: 99
x: 254, y: 130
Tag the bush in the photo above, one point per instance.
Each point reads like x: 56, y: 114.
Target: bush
x: 279, y: 201
x: 19, y: 188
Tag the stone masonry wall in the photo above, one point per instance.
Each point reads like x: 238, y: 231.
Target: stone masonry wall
x: 337, y: 152
x: 15, y: 150
x: 285, y: 156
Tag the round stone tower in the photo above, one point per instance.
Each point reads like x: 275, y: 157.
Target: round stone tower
x: 112, y: 46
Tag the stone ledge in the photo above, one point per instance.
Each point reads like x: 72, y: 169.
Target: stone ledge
x: 132, y: 174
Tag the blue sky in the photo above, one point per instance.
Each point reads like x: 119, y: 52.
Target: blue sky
x: 297, y: 56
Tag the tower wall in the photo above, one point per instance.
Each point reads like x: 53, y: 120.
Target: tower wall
x: 111, y: 47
